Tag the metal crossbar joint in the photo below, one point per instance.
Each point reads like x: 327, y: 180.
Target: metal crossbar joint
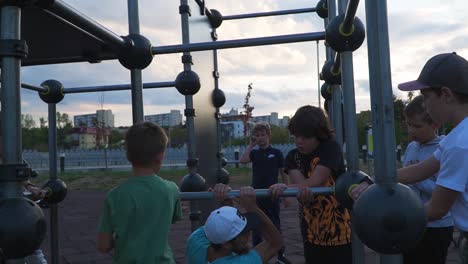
x: 13, y: 48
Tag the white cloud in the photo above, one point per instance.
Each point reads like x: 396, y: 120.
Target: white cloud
x: 284, y: 76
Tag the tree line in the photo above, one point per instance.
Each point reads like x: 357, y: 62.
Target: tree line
x: 36, y: 136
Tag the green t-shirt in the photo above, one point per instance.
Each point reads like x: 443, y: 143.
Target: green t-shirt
x: 139, y: 213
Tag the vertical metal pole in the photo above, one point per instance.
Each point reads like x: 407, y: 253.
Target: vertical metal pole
x: 137, y: 83
x: 11, y: 98
x: 218, y: 114
x: 318, y: 77
x: 336, y: 89
x: 327, y: 104
x: 350, y: 120
x: 190, y: 121
x: 381, y: 98
x: 54, y: 246
x: 11, y: 107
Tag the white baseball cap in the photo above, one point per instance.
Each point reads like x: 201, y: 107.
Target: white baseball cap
x: 226, y: 223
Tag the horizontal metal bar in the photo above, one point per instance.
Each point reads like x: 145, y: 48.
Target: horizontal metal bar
x: 290, y: 192
x: 118, y: 87
x: 349, y: 15
x: 79, y: 19
x: 239, y: 43
x: 271, y: 13
x: 69, y: 59
x: 34, y: 88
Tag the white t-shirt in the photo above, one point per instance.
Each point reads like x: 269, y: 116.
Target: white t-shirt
x: 453, y: 174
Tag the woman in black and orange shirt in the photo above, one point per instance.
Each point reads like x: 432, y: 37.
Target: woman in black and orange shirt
x: 317, y: 161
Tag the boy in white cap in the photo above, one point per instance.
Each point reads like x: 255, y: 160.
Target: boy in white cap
x: 225, y: 236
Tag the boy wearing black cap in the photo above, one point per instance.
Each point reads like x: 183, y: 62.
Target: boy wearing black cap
x: 224, y: 237
x: 444, y: 84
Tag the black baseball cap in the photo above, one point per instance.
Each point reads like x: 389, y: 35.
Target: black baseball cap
x: 444, y: 70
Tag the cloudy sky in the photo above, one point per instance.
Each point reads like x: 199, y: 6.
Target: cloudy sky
x: 284, y: 77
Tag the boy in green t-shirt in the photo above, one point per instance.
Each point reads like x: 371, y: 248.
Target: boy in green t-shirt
x: 137, y: 214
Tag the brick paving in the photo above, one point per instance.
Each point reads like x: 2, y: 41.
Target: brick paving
x: 79, y: 216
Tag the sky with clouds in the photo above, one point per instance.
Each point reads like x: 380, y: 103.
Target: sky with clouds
x: 284, y: 77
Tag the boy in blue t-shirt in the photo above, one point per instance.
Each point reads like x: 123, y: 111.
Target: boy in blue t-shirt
x: 438, y: 236
x: 137, y: 214
x: 267, y: 164
x: 224, y: 237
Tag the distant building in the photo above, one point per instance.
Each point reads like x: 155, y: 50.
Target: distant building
x: 172, y: 119
x: 231, y: 130
x: 87, y: 120
x: 271, y: 119
x: 103, y: 117
x: 90, y: 137
x: 284, y: 122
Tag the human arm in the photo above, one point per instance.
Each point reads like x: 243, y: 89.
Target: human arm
x: 427, y: 186
x: 440, y: 203
x: 245, y: 158
x: 105, y: 242
x: 105, y: 237
x: 272, y: 240
x: 451, y: 181
x: 36, y: 192
x: 418, y: 172
x: 177, y: 214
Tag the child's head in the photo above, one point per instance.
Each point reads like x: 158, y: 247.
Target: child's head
x: 309, y: 126
x: 262, y: 134
x: 444, y: 84
x: 421, y: 128
x: 145, y: 143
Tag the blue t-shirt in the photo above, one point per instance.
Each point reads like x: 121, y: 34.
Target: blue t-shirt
x: 197, y: 249
x: 265, y: 166
x: 415, y: 153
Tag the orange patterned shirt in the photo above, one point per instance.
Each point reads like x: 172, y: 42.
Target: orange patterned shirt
x: 325, y: 221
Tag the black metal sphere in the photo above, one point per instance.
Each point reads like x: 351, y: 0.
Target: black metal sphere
x: 138, y: 55
x: 23, y: 227
x: 193, y: 182
x: 390, y: 218
x: 223, y: 176
x: 187, y: 82
x: 215, y: 18
x: 344, y: 185
x: 325, y: 91
x: 56, y: 191
x: 330, y: 77
x: 341, y: 41
x: 218, y: 98
x: 322, y: 9
x: 54, y: 92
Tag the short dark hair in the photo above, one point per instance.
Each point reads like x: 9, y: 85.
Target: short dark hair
x: 461, y: 98
x: 262, y: 126
x: 417, y: 108
x: 143, y: 142
x: 310, y: 121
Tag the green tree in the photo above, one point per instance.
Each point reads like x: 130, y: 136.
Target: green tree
x: 177, y: 135
x: 279, y: 135
x: 64, y: 130
x: 115, y: 139
x: 42, y: 122
x: 27, y: 121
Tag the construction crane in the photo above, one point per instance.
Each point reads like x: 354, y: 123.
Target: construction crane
x: 247, y: 110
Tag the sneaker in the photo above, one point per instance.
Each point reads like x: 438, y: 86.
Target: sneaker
x: 283, y: 260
